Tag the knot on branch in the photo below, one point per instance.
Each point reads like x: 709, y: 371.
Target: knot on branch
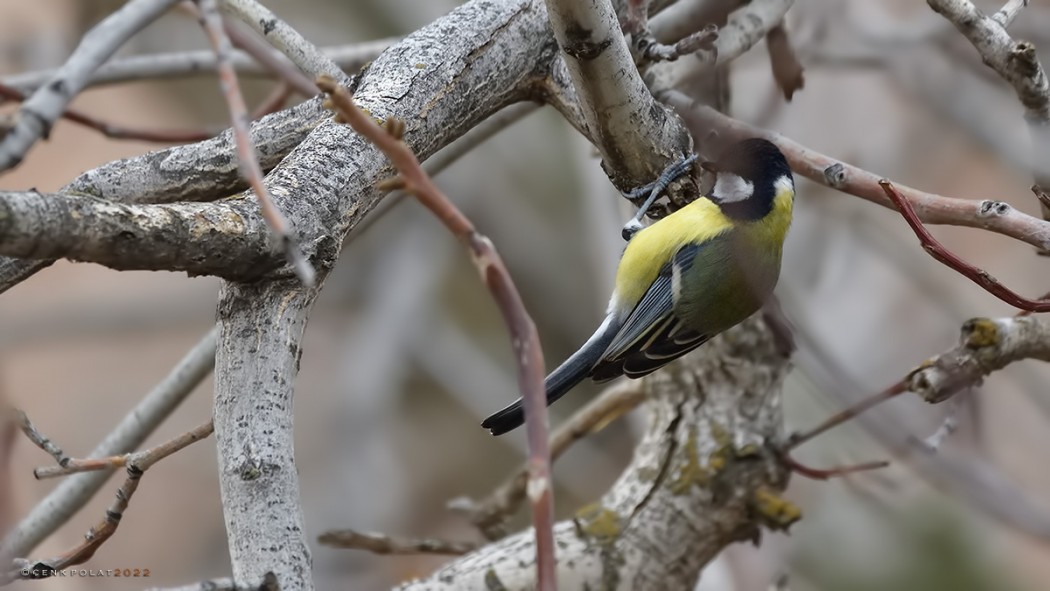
x: 1023, y: 58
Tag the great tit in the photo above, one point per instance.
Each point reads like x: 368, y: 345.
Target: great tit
x: 686, y: 277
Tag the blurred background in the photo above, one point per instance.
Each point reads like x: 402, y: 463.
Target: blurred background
x: 405, y: 353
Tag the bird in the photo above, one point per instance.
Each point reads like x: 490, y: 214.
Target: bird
x: 686, y: 277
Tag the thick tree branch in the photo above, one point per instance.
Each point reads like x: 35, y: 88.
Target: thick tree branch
x: 440, y: 81
x: 637, y: 137
x: 228, y: 239
x: 197, y: 172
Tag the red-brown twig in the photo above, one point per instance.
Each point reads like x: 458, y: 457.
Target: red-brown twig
x: 524, y: 338
x: 119, y: 132
x: 827, y: 473
x: 211, y: 20
x: 846, y: 415
x: 68, y: 465
x: 274, y: 102
x: 137, y: 463
x: 945, y: 256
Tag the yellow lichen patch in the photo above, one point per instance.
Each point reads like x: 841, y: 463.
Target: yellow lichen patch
x: 774, y: 512
x: 595, y: 521
x: 980, y: 332
x: 420, y: 66
x: 691, y: 472
x: 749, y: 450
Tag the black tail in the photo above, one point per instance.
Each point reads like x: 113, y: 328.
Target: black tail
x: 571, y: 372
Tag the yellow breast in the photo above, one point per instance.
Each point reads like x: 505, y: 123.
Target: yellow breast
x: 652, y: 247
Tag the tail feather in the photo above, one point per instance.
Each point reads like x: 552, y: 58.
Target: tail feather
x: 561, y: 380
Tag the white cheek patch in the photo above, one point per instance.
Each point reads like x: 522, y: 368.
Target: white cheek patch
x: 730, y: 187
x: 783, y: 185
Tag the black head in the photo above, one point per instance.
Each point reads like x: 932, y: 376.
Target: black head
x: 747, y: 178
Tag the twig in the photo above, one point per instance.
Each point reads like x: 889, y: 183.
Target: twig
x: 931, y: 208
x: 282, y: 36
x: 196, y: 63
x: 75, y: 491
x: 1006, y: 15
x: 385, y: 544
x: 39, y: 112
x: 950, y: 259
x: 828, y: 473
x: 270, y: 58
x: 787, y: 72
x: 38, y: 439
x: 491, y: 513
x: 178, y: 136
x: 947, y: 427
x: 212, y: 22
x: 69, y: 465
x: 137, y: 464
x: 837, y: 419
x: 524, y: 338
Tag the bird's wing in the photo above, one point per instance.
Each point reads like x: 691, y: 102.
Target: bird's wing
x: 652, y: 335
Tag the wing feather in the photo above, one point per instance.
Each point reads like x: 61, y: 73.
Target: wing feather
x: 652, y: 335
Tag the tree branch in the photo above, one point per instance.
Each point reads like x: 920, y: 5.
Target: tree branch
x: 74, y: 492
x: 703, y: 460
x: 228, y: 239
x: 40, y: 111
x: 349, y: 58
x: 988, y: 214
x: 637, y: 137
x: 985, y: 345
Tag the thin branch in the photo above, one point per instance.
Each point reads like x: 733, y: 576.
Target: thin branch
x: 385, y: 544
x: 43, y: 108
x: 110, y: 130
x: 950, y: 259
x: 787, y: 72
x: 137, y: 464
x: 212, y: 22
x: 994, y: 215
x: 74, y: 466
x: 524, y: 338
x: 1017, y: 63
x: 848, y: 414
x: 985, y: 345
x: 270, y: 58
x: 38, y: 438
x: 491, y: 513
x: 829, y: 473
x: 1006, y: 15
x: 161, y: 66
x: 282, y: 36
x: 75, y: 491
